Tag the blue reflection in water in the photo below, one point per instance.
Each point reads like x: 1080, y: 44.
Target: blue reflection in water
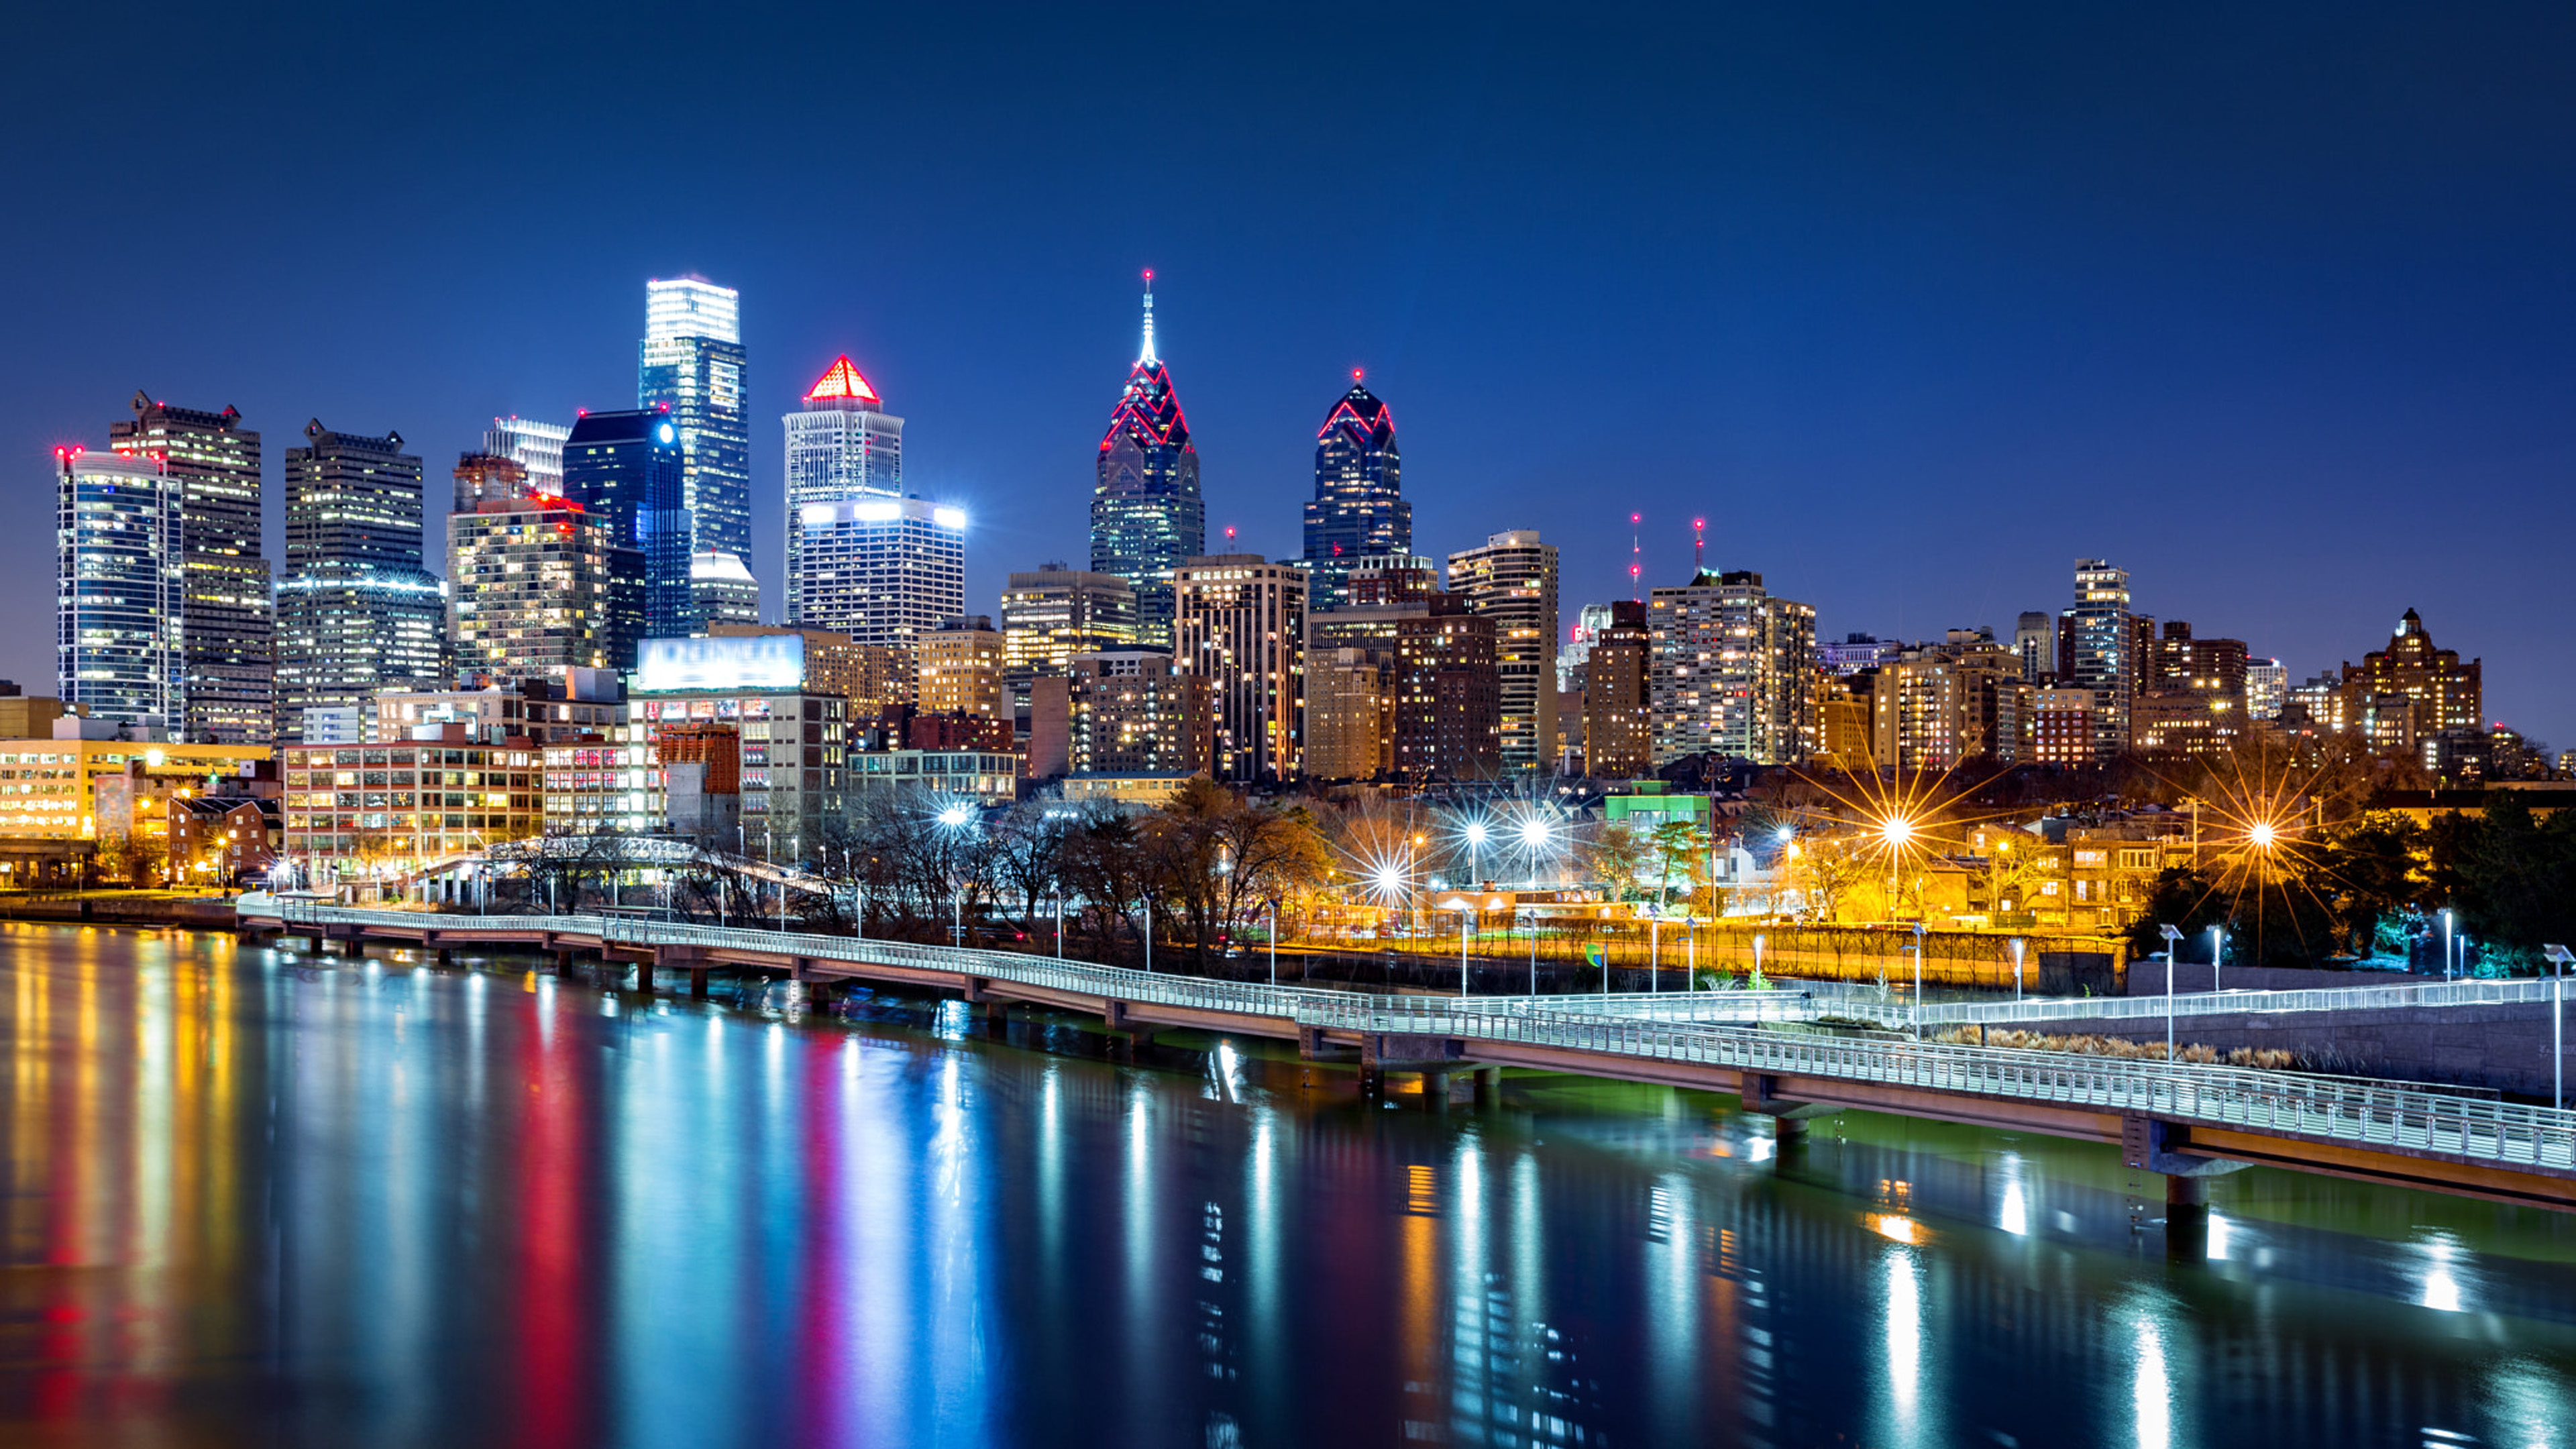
x: 253, y: 1197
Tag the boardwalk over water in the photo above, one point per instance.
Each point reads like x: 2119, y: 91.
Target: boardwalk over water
x: 2184, y: 1120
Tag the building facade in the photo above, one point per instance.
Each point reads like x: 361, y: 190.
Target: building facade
x: 1350, y: 715
x: 1146, y: 512
x: 539, y: 587
x: 227, y: 624
x: 2411, y: 691
x: 1448, y: 695
x: 628, y: 468
x: 1240, y: 623
x: 1512, y: 580
x: 120, y: 588
x: 1618, y: 706
x: 49, y: 787
x: 1128, y: 712
x: 357, y: 611
x: 881, y: 570
x: 961, y: 670
x: 1734, y: 671
x: 1358, y: 510
x: 372, y: 813
x: 488, y: 478
x: 537, y: 447
x: 842, y: 447
x: 1053, y: 613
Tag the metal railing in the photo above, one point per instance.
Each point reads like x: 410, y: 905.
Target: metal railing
x: 2528, y: 990
x: 2339, y: 1109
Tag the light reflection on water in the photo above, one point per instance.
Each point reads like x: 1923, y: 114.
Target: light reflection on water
x: 251, y: 1196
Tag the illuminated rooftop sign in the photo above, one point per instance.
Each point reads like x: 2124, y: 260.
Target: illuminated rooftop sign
x: 759, y: 661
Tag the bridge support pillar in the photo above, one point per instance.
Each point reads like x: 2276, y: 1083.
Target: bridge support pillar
x: 1489, y: 1087
x: 644, y: 974
x: 997, y: 1015
x: 563, y: 961
x: 698, y: 982
x: 1310, y: 1042
x: 1435, y: 1092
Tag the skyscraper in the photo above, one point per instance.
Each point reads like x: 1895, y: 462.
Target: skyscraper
x: 2097, y: 651
x: 119, y: 586
x: 1146, y: 514
x: 627, y: 467
x: 691, y: 363
x: 1734, y: 671
x: 1358, y: 510
x: 537, y: 447
x: 227, y: 626
x: 842, y: 446
x: 1241, y: 622
x: 1512, y: 580
x: 356, y: 612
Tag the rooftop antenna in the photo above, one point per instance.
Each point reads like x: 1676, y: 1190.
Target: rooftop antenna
x: 1148, y: 356
x: 1636, y: 559
x: 1699, y: 545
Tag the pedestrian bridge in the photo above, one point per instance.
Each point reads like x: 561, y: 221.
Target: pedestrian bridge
x: 2183, y: 1120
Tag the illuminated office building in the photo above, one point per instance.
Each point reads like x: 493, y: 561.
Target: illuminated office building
x: 1734, y: 671
x: 1358, y: 510
x: 691, y: 365
x: 842, y: 446
x: 539, y: 587
x: 1512, y: 580
x: 2098, y: 650
x: 227, y: 626
x: 881, y: 570
x: 1051, y: 614
x: 356, y: 611
x: 1146, y: 513
x: 1241, y: 624
x: 120, y: 584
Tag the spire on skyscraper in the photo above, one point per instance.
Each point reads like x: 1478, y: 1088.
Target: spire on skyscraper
x: 1146, y: 358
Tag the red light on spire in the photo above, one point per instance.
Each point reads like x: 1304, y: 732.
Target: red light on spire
x: 1229, y: 533
x: 1357, y: 373
x: 1149, y: 276
x: 841, y: 380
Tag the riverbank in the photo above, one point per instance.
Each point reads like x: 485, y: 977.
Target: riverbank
x: 121, y: 908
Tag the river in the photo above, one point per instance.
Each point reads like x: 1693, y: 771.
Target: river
x: 259, y: 1197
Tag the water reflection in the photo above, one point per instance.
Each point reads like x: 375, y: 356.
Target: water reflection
x: 255, y: 1197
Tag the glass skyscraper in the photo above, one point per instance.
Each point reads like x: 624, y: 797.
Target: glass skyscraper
x: 119, y: 579
x: 691, y: 363
x: 842, y: 446
x: 1146, y: 513
x: 356, y: 612
x: 227, y: 625
x: 628, y: 467
x: 1358, y: 510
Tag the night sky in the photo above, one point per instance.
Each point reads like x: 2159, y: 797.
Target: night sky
x: 1915, y: 305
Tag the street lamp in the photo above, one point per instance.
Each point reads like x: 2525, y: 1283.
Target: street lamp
x: 1466, y: 928
x: 2217, y: 949
x: 2172, y: 934
x: 2017, y: 944
x: 2558, y: 1026
x: 1475, y: 833
x: 2446, y: 943
x: 1918, y: 981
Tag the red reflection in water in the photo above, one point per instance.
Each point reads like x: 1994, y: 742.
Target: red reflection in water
x: 553, y: 1247
x: 822, y: 1317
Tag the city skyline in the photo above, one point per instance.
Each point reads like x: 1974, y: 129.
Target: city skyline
x: 1826, y: 366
